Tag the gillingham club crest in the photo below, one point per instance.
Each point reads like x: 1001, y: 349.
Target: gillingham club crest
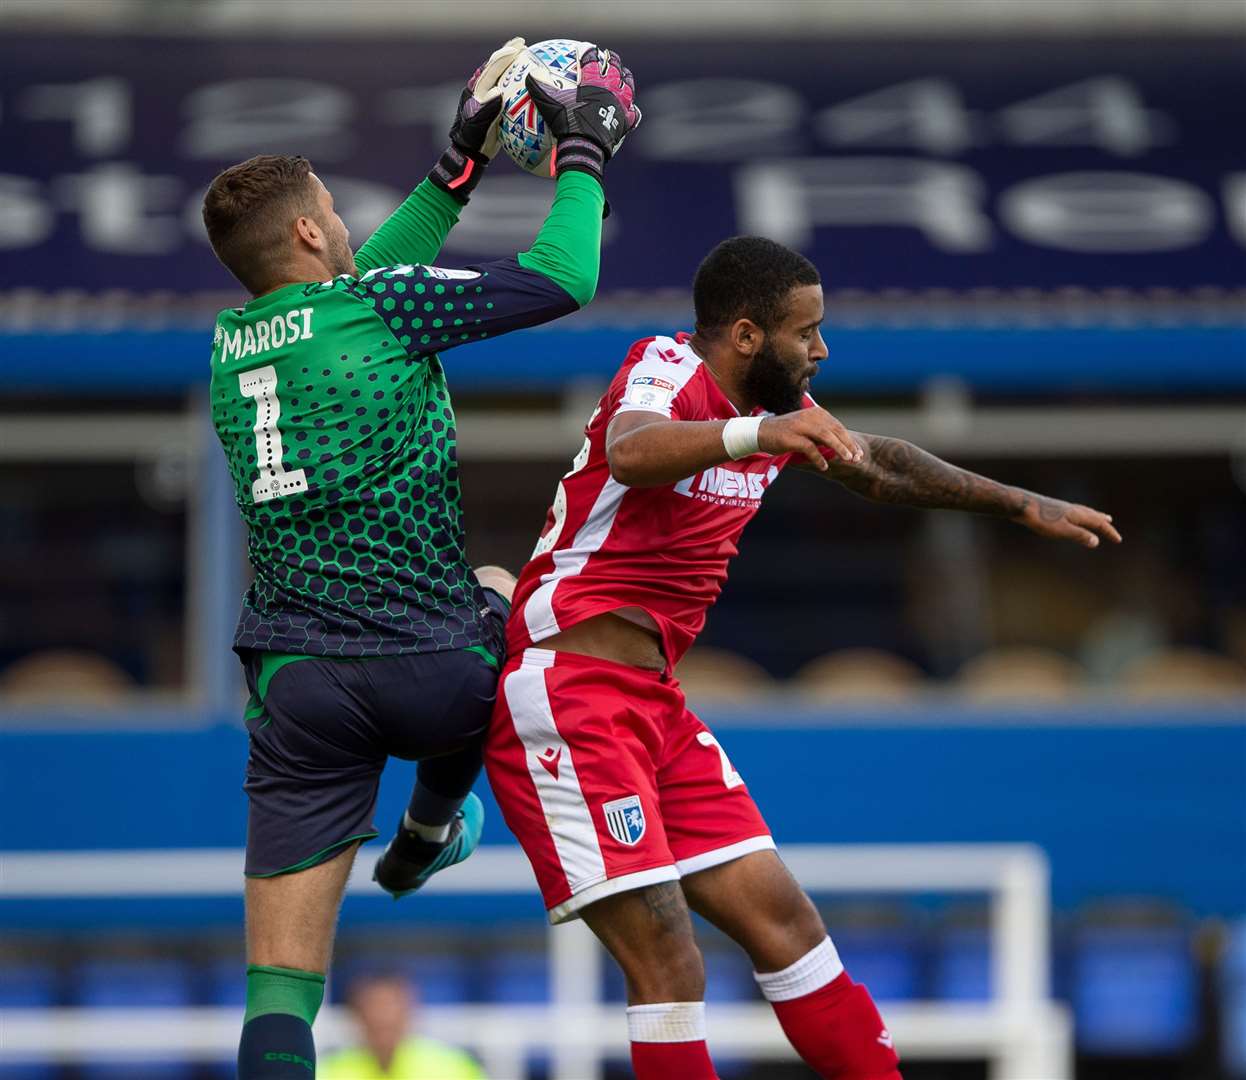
x: 625, y: 818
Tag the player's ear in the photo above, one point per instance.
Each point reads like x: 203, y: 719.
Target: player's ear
x: 746, y: 336
x: 310, y: 233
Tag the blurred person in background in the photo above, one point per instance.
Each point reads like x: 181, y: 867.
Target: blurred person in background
x: 330, y: 400
x: 384, y: 1005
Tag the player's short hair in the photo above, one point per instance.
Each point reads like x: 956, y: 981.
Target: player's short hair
x: 748, y: 277
x: 248, y: 211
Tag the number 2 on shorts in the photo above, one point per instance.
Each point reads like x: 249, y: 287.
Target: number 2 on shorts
x: 730, y: 777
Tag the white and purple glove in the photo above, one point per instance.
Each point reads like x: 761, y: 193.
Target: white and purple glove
x: 591, y: 119
x: 474, y: 133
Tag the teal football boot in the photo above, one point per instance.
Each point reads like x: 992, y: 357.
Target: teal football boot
x: 408, y: 861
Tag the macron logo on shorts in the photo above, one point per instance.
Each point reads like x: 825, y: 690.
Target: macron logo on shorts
x: 549, y: 757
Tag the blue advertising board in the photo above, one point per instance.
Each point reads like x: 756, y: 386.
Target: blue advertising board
x: 935, y: 164
x: 1144, y: 803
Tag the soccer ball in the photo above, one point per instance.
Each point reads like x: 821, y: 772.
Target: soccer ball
x: 521, y: 129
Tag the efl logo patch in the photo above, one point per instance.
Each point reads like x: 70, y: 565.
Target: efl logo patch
x: 625, y: 818
x: 649, y: 392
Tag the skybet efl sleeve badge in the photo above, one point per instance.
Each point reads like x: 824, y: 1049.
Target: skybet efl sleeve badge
x: 625, y: 818
x: 649, y: 392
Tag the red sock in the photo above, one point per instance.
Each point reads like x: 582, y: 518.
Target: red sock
x: 665, y: 1061
x: 838, y: 1031
x: 830, y: 1020
x: 668, y: 1041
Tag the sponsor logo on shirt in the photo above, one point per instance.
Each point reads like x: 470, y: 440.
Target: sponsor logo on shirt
x: 727, y: 487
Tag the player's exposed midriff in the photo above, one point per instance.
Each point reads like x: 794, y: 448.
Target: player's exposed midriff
x: 611, y: 637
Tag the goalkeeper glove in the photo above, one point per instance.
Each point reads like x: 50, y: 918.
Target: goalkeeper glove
x: 474, y: 133
x: 591, y: 119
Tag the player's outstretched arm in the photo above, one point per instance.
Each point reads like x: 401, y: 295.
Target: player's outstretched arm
x: 895, y: 471
x: 415, y: 232
x: 431, y: 309
x: 589, y: 122
x: 645, y: 449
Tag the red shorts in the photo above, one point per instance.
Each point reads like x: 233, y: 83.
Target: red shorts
x: 609, y: 782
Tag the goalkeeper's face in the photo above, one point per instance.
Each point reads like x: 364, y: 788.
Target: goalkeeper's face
x: 779, y: 373
x: 336, y: 254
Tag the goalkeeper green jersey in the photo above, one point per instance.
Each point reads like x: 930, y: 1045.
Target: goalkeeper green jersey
x: 331, y: 404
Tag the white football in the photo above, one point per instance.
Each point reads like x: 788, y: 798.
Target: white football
x: 521, y: 129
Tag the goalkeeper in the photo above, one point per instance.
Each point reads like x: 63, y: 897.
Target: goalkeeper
x: 365, y: 632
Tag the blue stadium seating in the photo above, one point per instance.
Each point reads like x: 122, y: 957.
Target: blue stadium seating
x: 517, y: 977
x: 226, y: 1069
x: 1233, y: 1000
x: 962, y: 964
x: 886, y: 959
x: 1134, y: 990
x: 729, y: 980
x: 136, y: 1070
x: 439, y: 978
x: 443, y: 978
x: 613, y: 985
x: 28, y: 986
x: 729, y: 976
x: 224, y: 982
x: 134, y: 983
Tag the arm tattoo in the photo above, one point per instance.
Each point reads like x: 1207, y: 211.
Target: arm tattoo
x: 896, y: 471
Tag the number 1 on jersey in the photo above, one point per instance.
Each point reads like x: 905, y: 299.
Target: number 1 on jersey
x: 274, y: 481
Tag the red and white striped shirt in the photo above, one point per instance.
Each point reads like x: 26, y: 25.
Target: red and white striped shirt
x: 660, y: 551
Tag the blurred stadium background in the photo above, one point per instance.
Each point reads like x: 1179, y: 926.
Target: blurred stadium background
x: 1030, y: 216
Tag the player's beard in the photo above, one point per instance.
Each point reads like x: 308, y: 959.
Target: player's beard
x: 339, y: 256
x: 775, y: 384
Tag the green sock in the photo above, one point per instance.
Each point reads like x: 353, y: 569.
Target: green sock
x: 283, y: 990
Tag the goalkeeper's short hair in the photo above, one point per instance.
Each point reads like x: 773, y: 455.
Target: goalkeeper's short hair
x: 249, y: 210
x: 747, y: 277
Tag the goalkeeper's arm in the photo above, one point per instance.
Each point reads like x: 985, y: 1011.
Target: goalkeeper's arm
x: 414, y: 233
x: 567, y: 249
x: 430, y: 309
x: 589, y: 122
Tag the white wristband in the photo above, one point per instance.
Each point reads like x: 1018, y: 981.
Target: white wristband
x: 740, y: 436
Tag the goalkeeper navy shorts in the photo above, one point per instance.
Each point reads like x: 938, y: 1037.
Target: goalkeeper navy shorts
x: 322, y: 729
